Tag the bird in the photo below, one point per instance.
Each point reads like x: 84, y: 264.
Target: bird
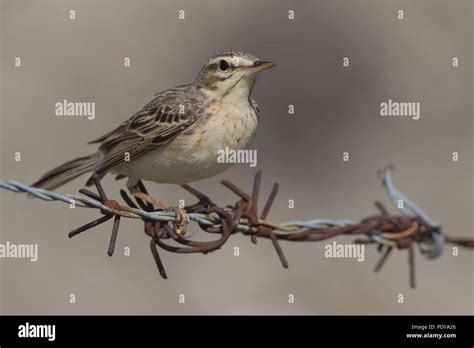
x: 176, y: 137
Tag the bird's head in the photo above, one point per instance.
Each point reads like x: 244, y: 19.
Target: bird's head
x: 231, y: 74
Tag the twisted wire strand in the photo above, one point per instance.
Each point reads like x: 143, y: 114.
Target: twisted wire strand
x: 413, y: 226
x: 290, y: 230
x: 80, y: 200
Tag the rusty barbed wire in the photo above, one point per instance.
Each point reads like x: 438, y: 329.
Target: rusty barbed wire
x: 386, y: 231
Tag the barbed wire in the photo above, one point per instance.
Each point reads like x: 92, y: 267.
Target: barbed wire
x: 412, y: 226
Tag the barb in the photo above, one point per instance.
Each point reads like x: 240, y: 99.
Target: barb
x: 386, y: 231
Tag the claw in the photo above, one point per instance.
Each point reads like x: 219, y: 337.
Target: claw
x: 182, y: 220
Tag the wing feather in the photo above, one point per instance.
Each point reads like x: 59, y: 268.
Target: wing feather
x: 156, y: 124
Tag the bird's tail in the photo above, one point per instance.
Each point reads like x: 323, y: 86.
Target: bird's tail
x: 67, y: 172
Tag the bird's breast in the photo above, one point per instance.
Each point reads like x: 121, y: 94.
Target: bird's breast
x: 221, y: 126
x: 193, y: 155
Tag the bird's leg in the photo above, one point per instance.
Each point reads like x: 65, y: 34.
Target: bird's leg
x: 182, y: 218
x: 203, y: 200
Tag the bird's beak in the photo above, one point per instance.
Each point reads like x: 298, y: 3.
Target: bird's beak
x: 258, y: 66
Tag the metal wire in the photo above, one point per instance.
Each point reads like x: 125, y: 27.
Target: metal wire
x: 387, y: 231
x: 83, y: 201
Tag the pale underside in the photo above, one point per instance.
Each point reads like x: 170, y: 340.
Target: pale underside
x: 193, y: 154
x: 179, y: 136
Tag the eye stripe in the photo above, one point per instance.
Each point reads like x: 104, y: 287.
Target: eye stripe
x: 215, y: 66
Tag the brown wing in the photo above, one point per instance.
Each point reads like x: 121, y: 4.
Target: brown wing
x: 156, y: 124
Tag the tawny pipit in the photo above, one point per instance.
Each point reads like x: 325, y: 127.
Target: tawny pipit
x: 177, y: 136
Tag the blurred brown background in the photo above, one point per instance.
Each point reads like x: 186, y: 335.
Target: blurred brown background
x: 336, y: 110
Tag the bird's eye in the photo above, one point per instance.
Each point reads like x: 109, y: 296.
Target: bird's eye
x: 223, y: 65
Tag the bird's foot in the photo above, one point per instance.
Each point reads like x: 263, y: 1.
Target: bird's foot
x: 182, y: 218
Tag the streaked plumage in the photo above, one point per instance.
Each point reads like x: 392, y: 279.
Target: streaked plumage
x: 176, y: 137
